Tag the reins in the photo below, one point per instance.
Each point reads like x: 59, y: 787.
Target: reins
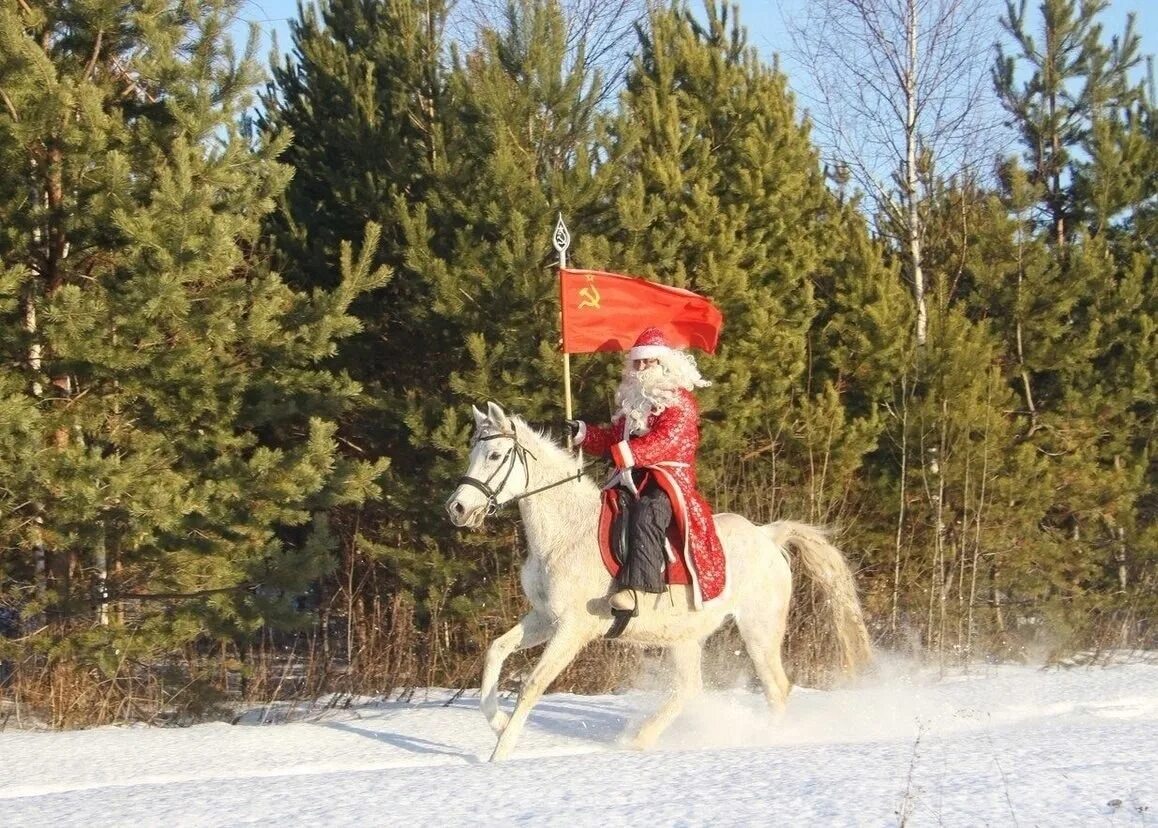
x: 517, y: 452
x: 578, y: 475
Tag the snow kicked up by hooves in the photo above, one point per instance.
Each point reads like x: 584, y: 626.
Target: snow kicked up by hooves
x: 994, y: 745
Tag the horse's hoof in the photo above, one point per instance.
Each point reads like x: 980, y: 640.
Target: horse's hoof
x: 639, y: 742
x: 499, y: 721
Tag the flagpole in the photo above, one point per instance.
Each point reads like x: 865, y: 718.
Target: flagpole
x: 562, y: 240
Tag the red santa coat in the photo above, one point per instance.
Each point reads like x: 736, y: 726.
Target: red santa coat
x: 668, y: 450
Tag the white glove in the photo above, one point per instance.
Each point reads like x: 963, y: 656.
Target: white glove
x: 577, y: 429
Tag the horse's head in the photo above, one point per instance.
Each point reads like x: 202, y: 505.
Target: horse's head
x: 496, y: 473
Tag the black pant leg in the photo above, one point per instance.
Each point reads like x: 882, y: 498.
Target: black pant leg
x: 650, y: 517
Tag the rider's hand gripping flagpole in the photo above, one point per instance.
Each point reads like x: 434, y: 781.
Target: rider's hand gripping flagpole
x: 562, y: 240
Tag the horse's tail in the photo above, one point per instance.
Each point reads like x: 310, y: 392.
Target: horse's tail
x: 825, y: 564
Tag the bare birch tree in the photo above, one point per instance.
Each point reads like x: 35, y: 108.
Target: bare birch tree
x: 600, y: 33
x: 898, y: 86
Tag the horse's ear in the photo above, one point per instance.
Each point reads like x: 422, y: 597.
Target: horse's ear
x: 479, y: 417
x: 497, y: 416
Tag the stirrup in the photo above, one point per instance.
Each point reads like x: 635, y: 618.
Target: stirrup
x: 619, y: 620
x: 620, y: 617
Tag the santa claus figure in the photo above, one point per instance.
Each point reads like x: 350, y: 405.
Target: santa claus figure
x: 652, y: 441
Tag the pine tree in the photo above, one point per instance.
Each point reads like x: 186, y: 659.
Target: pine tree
x: 717, y: 186
x: 521, y: 148
x: 362, y: 95
x: 722, y: 193
x: 520, y: 144
x: 1074, y: 79
x: 481, y: 154
x: 973, y: 481
x: 164, y: 392
x: 720, y: 190
x: 1083, y: 121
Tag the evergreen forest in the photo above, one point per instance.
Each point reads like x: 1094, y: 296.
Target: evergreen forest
x: 245, y: 308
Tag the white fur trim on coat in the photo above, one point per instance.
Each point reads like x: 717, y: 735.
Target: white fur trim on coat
x: 621, y: 454
x: 648, y: 352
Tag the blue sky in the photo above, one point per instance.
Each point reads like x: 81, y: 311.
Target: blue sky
x: 764, y: 20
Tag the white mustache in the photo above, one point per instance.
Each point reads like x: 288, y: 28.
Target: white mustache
x: 643, y: 393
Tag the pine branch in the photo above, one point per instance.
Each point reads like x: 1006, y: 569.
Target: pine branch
x: 9, y: 106
x: 178, y: 596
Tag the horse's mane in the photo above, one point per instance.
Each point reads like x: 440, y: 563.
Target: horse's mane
x: 547, y: 450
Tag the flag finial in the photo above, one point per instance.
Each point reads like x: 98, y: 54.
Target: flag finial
x: 562, y: 239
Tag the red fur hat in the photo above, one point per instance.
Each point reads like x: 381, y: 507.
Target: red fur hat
x: 651, y: 344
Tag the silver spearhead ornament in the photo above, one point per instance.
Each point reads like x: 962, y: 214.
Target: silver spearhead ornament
x: 562, y: 238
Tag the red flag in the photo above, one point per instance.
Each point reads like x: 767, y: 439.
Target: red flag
x: 606, y: 312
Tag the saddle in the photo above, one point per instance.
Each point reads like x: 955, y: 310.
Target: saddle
x: 614, y: 535
x: 615, y: 530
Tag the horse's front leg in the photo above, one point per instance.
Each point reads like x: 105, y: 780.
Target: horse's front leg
x: 687, y: 682
x: 533, y: 629
x: 564, y: 644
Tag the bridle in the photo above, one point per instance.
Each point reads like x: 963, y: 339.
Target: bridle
x: 517, y: 453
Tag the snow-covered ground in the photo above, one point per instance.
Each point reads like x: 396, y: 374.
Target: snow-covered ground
x: 996, y: 745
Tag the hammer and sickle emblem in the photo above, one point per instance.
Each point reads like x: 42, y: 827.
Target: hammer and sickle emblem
x: 589, y: 296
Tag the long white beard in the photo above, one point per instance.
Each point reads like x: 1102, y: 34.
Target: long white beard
x: 642, y: 394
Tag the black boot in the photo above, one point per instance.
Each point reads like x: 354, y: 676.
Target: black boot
x: 651, y: 516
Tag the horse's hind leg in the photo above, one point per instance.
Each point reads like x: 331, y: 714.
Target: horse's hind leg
x: 564, y: 644
x: 688, y: 682
x: 533, y: 629
x: 763, y: 635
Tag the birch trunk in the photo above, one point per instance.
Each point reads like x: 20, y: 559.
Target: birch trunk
x: 912, y: 148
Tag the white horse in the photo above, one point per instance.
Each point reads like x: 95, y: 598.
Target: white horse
x: 567, y: 584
